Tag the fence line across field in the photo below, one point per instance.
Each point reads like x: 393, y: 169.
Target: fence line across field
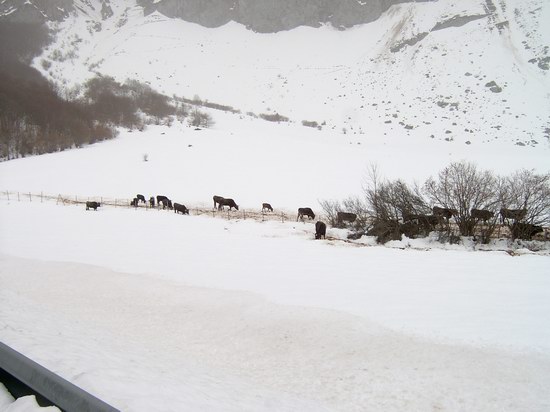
x: 198, y: 210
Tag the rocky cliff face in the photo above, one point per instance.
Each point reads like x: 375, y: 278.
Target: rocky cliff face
x: 35, y: 11
x: 272, y: 16
x: 258, y: 15
x: 39, y: 11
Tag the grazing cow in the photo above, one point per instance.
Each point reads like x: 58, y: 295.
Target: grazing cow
x: 345, y: 217
x: 425, y: 220
x: 444, y: 213
x: 92, y: 205
x: 481, y: 214
x: 160, y: 199
x: 140, y: 198
x: 227, y: 202
x: 305, y: 211
x: 428, y: 220
x: 166, y: 203
x: 320, y: 230
x: 179, y: 208
x: 134, y: 202
x: 266, y: 207
x: 152, y: 201
x: 514, y: 214
x: 525, y: 231
x: 217, y: 201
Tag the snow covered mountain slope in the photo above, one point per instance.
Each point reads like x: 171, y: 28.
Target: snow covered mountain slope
x: 473, y: 72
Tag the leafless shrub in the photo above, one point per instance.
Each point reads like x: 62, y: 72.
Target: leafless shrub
x: 388, y: 201
x: 331, y: 209
x: 527, y: 190
x: 200, y: 119
x: 308, y: 123
x: 274, y: 117
x: 462, y: 186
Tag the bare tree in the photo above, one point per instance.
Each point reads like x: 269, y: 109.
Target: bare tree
x: 200, y: 119
x: 462, y: 186
x: 527, y: 190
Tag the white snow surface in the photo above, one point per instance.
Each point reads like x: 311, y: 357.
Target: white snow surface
x: 153, y: 311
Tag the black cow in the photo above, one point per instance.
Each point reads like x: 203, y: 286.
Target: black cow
x: 428, y: 221
x: 134, y: 202
x: 164, y: 201
x: 525, y: 231
x: 227, y: 202
x: 320, y: 230
x: 342, y: 217
x: 179, y: 208
x: 267, y: 207
x: 514, y: 214
x: 152, y: 201
x: 444, y: 213
x: 481, y: 214
x: 92, y: 205
x: 161, y: 198
x: 217, y: 201
x: 140, y: 198
x: 305, y: 211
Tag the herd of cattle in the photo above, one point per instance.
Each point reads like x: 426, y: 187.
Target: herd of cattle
x: 518, y: 228
x: 440, y: 214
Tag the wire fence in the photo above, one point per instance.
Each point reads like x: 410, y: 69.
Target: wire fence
x: 195, y: 209
x: 202, y: 210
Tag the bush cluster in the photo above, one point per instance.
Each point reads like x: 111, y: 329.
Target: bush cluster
x: 389, y: 209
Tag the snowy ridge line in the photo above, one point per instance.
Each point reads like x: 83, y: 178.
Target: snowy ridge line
x: 283, y: 215
x: 52, y: 387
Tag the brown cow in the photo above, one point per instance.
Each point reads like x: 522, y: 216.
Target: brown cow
x: 227, y: 202
x: 514, y: 214
x: 525, y: 231
x: 267, y: 207
x: 320, y: 230
x: 217, y: 200
x: 305, y: 211
x: 444, y: 212
x: 342, y: 217
x: 179, y: 208
x: 481, y: 214
x: 92, y: 205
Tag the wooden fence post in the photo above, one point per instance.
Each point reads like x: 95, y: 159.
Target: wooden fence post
x: 30, y: 197
x: 18, y: 198
x: 8, y: 194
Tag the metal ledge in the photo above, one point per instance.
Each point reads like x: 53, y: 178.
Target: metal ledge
x: 48, y: 385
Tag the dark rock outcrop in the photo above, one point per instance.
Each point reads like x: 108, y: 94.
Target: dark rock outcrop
x: 272, y: 16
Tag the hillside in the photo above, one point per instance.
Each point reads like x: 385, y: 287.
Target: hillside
x: 473, y: 73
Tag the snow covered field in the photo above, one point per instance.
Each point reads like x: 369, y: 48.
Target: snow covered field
x: 149, y: 310
x: 152, y: 311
